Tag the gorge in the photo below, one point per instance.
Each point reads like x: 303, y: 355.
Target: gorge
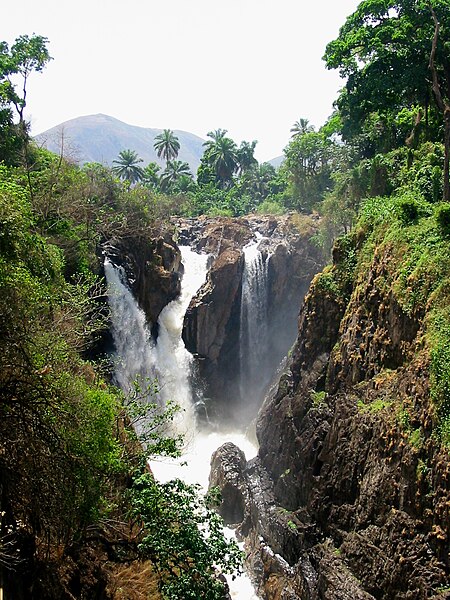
x: 331, y: 506
x: 207, y: 421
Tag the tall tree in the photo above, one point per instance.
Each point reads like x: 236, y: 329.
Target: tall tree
x: 246, y: 156
x: 127, y: 166
x: 26, y: 55
x: 394, y: 54
x: 301, y: 126
x: 167, y: 145
x: 221, y: 155
x: 308, y: 164
x: 150, y: 175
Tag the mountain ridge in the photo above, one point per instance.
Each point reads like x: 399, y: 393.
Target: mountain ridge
x: 100, y: 138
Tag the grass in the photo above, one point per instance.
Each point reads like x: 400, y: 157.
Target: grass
x: 405, y: 236
x: 374, y: 407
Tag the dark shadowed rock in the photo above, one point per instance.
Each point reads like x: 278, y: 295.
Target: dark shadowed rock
x: 212, y: 323
x: 153, y: 267
x: 348, y: 497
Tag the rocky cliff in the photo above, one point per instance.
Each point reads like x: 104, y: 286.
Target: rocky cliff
x: 153, y: 268
x: 349, y: 496
x: 212, y: 326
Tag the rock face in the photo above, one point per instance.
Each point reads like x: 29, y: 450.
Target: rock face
x: 349, y: 495
x: 212, y: 325
x: 153, y: 267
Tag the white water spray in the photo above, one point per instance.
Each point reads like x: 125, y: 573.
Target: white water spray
x: 134, y: 360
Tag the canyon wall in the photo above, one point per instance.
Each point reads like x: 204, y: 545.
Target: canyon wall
x: 349, y: 495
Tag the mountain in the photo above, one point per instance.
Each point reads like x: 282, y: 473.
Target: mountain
x: 276, y: 162
x: 100, y: 138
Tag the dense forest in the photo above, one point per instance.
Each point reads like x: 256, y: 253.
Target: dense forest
x: 72, y: 467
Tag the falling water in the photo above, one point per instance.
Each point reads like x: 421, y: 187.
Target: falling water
x: 134, y: 360
x: 253, y: 324
x: 139, y: 357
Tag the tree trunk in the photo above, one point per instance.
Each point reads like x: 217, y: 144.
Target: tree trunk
x: 443, y: 106
x: 447, y: 155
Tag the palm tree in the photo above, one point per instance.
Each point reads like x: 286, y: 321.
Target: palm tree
x: 257, y: 181
x: 167, y: 145
x: 151, y: 177
x: 175, y: 170
x: 300, y: 127
x: 246, y: 158
x: 127, y: 166
x: 221, y: 155
x: 215, y: 136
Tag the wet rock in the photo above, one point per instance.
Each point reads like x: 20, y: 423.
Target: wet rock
x: 153, y: 267
x: 211, y: 328
x: 348, y: 497
x: 227, y: 473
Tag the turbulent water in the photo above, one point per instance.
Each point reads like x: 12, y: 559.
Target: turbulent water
x: 137, y: 356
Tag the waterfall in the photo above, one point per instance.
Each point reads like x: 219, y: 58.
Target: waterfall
x: 173, y: 363
x: 134, y: 360
x: 168, y: 360
x: 138, y: 357
x: 253, y: 337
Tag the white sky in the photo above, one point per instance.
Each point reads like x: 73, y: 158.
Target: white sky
x: 252, y: 67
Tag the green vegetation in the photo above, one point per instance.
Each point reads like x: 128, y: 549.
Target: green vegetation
x: 374, y: 407
x: 72, y: 465
x: 127, y: 166
x: 377, y: 173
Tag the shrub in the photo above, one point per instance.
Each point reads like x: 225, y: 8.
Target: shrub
x: 443, y: 217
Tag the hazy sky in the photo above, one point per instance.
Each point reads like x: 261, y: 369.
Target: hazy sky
x: 250, y: 66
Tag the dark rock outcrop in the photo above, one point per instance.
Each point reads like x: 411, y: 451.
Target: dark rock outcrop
x: 153, y: 267
x: 212, y: 323
x: 349, y: 495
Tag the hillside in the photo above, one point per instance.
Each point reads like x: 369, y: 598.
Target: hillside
x: 100, y: 138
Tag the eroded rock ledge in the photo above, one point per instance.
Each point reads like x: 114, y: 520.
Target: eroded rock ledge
x: 153, y: 267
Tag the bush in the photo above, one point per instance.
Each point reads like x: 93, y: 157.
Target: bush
x: 409, y: 211
x: 443, y: 217
x: 269, y: 207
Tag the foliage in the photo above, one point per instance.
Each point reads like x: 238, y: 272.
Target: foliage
x: 307, y: 159
x: 175, y: 173
x: 127, y: 166
x: 167, y: 145
x: 443, y: 217
x: 386, y: 51
x: 27, y: 55
x: 221, y: 155
x: 439, y: 335
x: 183, y: 536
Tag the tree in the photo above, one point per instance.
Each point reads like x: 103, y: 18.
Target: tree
x: 222, y: 155
x: 127, y: 166
x: 394, y: 54
x: 26, y: 55
x: 167, y: 145
x: 246, y: 156
x: 175, y: 170
x: 301, y: 126
x: 256, y: 182
x: 150, y: 175
x: 183, y: 536
x: 308, y: 164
